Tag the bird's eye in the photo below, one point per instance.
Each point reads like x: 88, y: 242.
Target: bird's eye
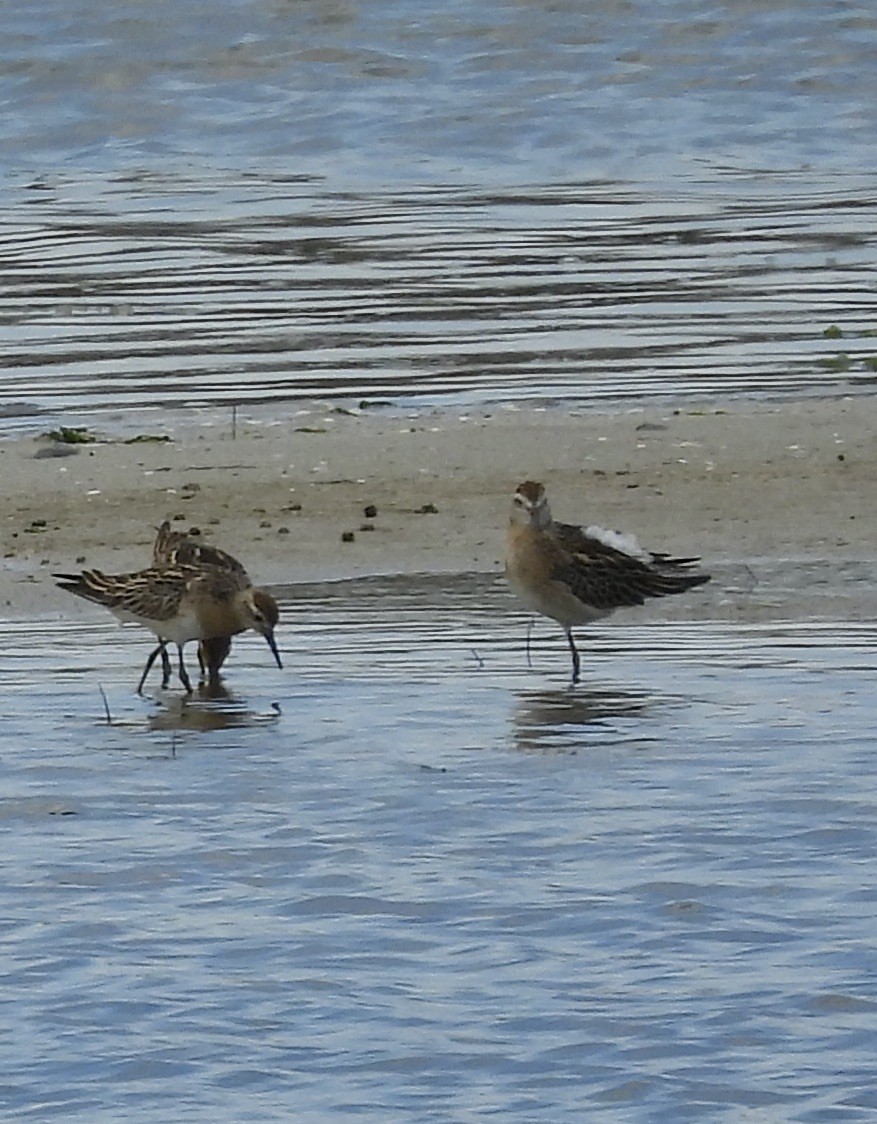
x: 518, y: 501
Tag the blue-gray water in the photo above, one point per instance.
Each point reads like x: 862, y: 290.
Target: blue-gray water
x: 263, y: 202
x: 409, y: 878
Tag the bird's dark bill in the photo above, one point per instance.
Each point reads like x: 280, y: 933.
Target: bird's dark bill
x: 273, y: 646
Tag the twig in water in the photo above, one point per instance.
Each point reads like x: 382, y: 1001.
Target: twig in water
x: 106, y: 705
x: 479, y: 659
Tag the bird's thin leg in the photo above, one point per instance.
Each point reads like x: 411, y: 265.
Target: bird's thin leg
x: 149, y: 664
x: 165, y: 666
x: 184, y: 678
x: 575, y: 656
x: 529, y: 630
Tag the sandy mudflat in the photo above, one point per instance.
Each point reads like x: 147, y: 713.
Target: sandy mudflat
x: 738, y: 483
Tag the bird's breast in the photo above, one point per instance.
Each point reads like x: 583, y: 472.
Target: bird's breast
x: 532, y: 561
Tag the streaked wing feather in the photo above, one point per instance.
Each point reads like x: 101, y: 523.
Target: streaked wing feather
x: 614, y: 580
x: 176, y: 548
x: 575, y: 540
x: 597, y: 584
x: 154, y: 593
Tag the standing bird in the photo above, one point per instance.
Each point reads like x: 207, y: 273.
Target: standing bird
x: 180, y: 548
x: 181, y: 603
x: 577, y: 576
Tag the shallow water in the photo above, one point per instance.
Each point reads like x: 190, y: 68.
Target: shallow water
x: 159, y: 296
x: 399, y: 92
x: 411, y: 878
x: 268, y: 202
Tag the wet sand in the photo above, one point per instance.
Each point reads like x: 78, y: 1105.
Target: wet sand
x: 736, y: 483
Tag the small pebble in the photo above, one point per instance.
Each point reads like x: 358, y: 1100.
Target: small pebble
x: 347, y: 536
x: 370, y: 511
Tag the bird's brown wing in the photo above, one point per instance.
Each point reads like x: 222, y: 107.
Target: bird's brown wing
x: 154, y: 593
x: 177, y: 548
x: 607, y: 579
x: 577, y: 541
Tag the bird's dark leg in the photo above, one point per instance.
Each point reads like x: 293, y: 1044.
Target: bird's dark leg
x: 165, y: 667
x: 184, y: 678
x: 165, y: 664
x: 529, y: 630
x: 575, y: 655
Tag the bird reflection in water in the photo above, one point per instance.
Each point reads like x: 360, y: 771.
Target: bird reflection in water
x: 565, y: 720
x: 212, y: 708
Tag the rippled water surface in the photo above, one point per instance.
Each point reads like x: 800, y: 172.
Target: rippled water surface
x: 575, y: 292
x: 265, y: 202
x: 410, y: 878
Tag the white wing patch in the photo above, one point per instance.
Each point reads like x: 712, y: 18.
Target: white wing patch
x: 627, y: 544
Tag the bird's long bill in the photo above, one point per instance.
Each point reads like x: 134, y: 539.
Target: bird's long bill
x: 269, y: 637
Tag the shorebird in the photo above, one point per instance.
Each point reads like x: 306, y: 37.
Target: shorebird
x: 180, y: 548
x: 181, y: 603
x: 577, y: 576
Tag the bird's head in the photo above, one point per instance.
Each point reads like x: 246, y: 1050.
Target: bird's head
x: 262, y: 614
x: 530, y: 506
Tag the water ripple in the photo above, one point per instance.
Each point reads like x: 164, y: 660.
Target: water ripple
x: 420, y: 876
x: 563, y: 293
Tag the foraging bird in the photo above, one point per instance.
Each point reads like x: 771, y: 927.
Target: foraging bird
x: 577, y: 576
x: 181, y: 603
x: 180, y: 548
